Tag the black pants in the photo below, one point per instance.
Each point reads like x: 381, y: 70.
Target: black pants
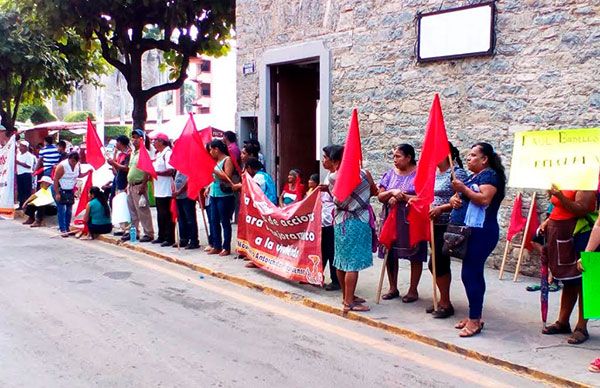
x: 99, y: 229
x: 40, y: 212
x: 166, y: 227
x: 24, y: 187
x: 328, y: 251
x: 186, y: 218
x: 442, y: 262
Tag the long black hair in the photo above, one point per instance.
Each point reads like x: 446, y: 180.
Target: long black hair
x: 495, y: 163
x: 99, y: 195
x: 455, y: 155
x: 408, y: 150
x: 219, y: 145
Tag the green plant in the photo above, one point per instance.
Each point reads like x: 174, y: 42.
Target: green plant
x: 112, y: 131
x: 37, y: 113
x: 78, y: 116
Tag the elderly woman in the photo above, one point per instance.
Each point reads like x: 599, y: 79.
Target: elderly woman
x: 476, y: 205
x: 222, y: 201
x: 561, y: 254
x: 440, y: 215
x: 396, y: 187
x: 353, y: 237
x: 293, y: 190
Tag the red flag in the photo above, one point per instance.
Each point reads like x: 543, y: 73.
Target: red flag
x: 534, y: 224
x: 206, y: 135
x: 84, y: 198
x: 144, y: 162
x: 435, y: 150
x: 190, y: 157
x: 517, y: 221
x: 388, y: 231
x: 93, y: 150
x: 174, y: 210
x: 348, y: 176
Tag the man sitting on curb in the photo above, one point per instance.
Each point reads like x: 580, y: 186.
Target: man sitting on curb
x: 40, y: 204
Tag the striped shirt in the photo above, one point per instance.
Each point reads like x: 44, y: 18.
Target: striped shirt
x: 50, y: 156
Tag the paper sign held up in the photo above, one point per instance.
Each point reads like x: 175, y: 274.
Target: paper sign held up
x: 568, y: 158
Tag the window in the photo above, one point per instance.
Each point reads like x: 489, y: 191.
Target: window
x: 205, y: 90
x: 205, y: 110
x: 205, y: 66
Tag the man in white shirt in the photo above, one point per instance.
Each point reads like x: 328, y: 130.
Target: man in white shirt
x: 163, y: 190
x: 25, y: 163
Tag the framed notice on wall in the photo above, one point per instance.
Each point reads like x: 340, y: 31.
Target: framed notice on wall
x: 456, y: 33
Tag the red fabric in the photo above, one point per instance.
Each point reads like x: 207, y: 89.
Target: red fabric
x: 84, y: 198
x: 93, y: 147
x: 348, y: 175
x: 534, y: 224
x: 145, y: 163
x: 174, y: 210
x: 39, y: 171
x: 389, y: 231
x: 517, y: 221
x: 435, y: 150
x: 299, y: 189
x: 191, y: 158
x: 206, y: 135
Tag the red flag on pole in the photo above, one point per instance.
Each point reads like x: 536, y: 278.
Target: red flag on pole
x: 93, y: 144
x: 206, y: 135
x: 435, y: 150
x: 348, y: 176
x: 144, y: 162
x: 534, y: 224
x: 174, y: 213
x: 389, y: 231
x: 84, y: 198
x: 517, y: 221
x: 190, y: 157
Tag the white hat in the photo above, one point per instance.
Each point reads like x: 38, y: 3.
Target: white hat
x: 46, y: 179
x: 24, y: 142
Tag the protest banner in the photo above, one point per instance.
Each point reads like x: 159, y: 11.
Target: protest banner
x: 284, y: 241
x: 568, y: 158
x: 7, y: 179
x: 591, y: 284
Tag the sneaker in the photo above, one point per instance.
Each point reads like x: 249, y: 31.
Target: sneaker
x: 146, y: 239
x: 193, y: 246
x: 166, y: 244
x: 157, y: 241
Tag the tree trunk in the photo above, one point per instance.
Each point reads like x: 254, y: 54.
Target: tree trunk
x: 139, y: 114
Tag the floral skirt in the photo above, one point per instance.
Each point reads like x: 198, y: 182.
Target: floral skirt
x: 352, y: 246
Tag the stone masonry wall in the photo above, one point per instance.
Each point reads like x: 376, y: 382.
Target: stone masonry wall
x: 545, y: 73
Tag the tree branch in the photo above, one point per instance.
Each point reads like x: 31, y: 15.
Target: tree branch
x: 106, y: 54
x: 163, y: 45
x: 20, y: 91
x: 153, y: 91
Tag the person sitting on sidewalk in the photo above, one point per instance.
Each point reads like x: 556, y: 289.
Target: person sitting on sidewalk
x: 40, y: 204
x: 97, y: 214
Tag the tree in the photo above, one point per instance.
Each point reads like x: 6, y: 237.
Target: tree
x: 78, y: 116
x: 36, y: 113
x: 127, y: 29
x: 35, y: 65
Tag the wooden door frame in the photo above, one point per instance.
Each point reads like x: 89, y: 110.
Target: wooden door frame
x: 302, y: 53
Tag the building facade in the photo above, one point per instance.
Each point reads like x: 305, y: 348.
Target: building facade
x: 304, y: 64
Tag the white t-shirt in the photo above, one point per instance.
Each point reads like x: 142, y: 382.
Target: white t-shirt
x: 29, y: 159
x: 69, y: 178
x: 328, y: 206
x: 163, y: 186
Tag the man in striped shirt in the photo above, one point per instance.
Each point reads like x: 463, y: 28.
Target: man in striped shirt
x: 49, y: 156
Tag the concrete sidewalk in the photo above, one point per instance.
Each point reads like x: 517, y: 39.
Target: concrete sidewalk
x: 511, y: 337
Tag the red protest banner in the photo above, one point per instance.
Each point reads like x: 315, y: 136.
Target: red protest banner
x: 284, y: 241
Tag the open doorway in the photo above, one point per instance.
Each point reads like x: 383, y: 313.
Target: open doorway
x: 294, y: 118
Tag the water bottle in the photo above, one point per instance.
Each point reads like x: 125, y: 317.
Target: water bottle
x: 132, y: 234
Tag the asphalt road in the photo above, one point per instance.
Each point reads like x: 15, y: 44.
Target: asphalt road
x: 79, y: 313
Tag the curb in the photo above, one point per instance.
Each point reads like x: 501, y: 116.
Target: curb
x: 323, y: 307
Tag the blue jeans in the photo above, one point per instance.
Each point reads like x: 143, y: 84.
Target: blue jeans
x: 221, y: 209
x: 188, y: 225
x: 481, y: 244
x: 64, y: 216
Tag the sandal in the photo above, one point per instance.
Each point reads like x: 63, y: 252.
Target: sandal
x: 461, y: 324
x: 579, y: 336
x: 443, y: 312
x: 357, y: 299
x: 354, y: 306
x: 557, y: 328
x: 410, y: 298
x: 466, y: 332
x: 391, y: 295
x: 533, y: 287
x: 595, y: 366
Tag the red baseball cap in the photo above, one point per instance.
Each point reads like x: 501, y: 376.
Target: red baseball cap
x: 161, y: 136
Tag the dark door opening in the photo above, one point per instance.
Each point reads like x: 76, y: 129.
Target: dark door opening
x: 295, y: 95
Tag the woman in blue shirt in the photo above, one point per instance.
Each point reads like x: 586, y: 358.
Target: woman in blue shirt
x: 97, y: 214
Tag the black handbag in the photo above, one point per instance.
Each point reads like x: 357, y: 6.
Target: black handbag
x: 67, y: 197
x: 456, y: 240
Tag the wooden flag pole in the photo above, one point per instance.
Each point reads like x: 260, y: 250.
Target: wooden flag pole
x: 380, y: 286
x: 451, y: 166
x: 202, y: 208
x: 433, y: 269
x: 505, y: 256
x: 525, y: 232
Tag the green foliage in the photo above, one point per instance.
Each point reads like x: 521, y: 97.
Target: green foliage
x: 78, y: 116
x: 37, y: 113
x: 124, y: 30
x: 112, y: 131
x: 37, y: 62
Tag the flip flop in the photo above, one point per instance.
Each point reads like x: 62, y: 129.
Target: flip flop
x: 466, y: 332
x: 391, y: 295
x: 595, y: 366
x: 356, y: 307
x: 533, y: 287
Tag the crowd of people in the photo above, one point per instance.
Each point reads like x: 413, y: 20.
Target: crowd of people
x: 466, y: 196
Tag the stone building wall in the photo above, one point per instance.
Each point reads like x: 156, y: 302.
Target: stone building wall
x: 545, y: 73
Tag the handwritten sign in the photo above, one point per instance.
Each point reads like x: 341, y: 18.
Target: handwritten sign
x: 568, y: 158
x: 7, y: 179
